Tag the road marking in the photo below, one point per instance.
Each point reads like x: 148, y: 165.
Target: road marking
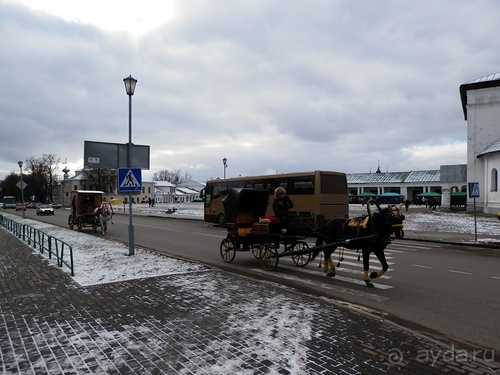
x: 421, y: 266
x: 340, y: 269
x: 338, y: 277
x: 461, y: 272
x: 338, y: 288
x: 495, y: 277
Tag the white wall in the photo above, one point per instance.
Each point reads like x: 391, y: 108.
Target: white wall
x: 483, y: 129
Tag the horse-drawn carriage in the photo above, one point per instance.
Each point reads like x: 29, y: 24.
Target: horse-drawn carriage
x: 83, y: 205
x: 248, y: 230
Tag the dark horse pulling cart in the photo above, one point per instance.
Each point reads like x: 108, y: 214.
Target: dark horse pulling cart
x: 369, y: 234
x: 249, y: 230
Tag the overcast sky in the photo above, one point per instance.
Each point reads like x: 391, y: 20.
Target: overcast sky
x: 273, y: 86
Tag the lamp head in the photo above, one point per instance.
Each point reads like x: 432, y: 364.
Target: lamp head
x: 130, y: 85
x: 20, y: 163
x: 224, y: 161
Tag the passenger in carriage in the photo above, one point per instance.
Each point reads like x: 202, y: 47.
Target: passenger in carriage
x: 281, y: 206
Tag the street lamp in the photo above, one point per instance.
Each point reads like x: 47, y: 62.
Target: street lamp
x: 20, y: 163
x: 224, y: 161
x: 130, y: 83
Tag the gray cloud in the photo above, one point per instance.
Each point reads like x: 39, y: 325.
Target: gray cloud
x: 272, y: 86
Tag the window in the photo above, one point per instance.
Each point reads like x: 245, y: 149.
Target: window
x: 494, y: 179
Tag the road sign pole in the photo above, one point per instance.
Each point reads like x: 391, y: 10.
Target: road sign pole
x: 475, y: 220
x: 474, y: 193
x: 131, y: 244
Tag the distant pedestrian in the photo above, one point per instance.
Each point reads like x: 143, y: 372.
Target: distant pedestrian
x: 407, y: 204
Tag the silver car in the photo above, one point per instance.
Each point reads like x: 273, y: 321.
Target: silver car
x: 45, y: 209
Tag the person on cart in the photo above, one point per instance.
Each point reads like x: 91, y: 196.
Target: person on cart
x: 105, y: 212
x: 281, y: 207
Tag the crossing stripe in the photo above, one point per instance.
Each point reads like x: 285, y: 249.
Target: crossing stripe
x: 338, y: 277
x: 339, y: 288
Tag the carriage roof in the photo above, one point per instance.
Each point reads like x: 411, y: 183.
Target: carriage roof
x: 87, y: 192
x: 239, y: 200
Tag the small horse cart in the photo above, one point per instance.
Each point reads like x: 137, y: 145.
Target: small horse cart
x: 83, y: 205
x: 249, y: 230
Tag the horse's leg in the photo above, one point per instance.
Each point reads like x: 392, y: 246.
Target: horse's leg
x: 329, y: 266
x: 381, y: 258
x: 366, y: 267
x: 103, y: 224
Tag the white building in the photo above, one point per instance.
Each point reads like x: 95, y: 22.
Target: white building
x: 481, y: 107
x: 450, y: 181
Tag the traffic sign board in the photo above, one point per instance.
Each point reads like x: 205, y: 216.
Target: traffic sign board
x: 129, y: 180
x: 473, y: 189
x: 21, y: 185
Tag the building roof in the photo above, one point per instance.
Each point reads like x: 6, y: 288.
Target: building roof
x: 194, y: 185
x: 492, y: 80
x: 163, y: 184
x: 394, y: 177
x: 495, y: 147
x: 186, y: 190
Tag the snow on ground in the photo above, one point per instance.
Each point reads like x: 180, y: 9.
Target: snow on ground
x: 98, y: 260
x: 104, y: 261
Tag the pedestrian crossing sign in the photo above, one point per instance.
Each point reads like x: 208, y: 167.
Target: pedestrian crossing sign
x: 129, y: 180
x: 473, y: 189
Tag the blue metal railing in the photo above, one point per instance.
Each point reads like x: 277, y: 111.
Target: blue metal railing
x: 55, y: 247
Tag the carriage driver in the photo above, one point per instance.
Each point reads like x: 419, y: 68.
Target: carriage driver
x: 281, y: 206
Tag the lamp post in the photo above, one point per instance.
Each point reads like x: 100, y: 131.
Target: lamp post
x: 130, y: 83
x: 20, y: 163
x: 224, y: 162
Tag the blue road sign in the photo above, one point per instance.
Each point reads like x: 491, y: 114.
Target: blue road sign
x: 129, y: 180
x: 473, y: 189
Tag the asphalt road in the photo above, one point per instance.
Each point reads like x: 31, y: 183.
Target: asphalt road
x: 447, y: 291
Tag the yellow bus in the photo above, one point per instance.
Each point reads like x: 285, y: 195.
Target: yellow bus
x: 322, y: 195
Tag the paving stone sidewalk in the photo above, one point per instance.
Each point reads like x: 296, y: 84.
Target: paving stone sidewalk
x: 207, y: 322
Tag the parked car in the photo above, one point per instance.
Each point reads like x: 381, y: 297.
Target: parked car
x: 45, y: 209
x: 56, y: 205
x: 20, y: 206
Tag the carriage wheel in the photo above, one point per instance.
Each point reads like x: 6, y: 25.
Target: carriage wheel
x: 268, y: 256
x: 227, y: 251
x: 301, y: 260
x: 255, y: 251
x: 70, y: 222
x: 79, y: 224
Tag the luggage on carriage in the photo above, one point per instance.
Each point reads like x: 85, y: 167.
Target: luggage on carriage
x: 249, y: 230
x: 83, y: 205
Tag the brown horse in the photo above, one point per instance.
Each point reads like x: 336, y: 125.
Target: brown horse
x: 370, y: 234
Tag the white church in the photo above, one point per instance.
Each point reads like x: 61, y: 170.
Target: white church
x: 481, y: 108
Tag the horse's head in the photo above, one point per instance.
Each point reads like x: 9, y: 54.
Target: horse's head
x: 388, y: 220
x: 396, y: 218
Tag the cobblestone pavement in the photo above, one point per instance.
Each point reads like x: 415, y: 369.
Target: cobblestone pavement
x: 174, y: 324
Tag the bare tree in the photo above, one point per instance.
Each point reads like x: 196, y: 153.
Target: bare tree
x: 175, y: 177
x: 101, y: 179
x: 51, y: 165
